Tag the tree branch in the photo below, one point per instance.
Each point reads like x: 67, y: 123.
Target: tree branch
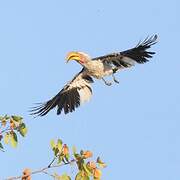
x: 42, y: 170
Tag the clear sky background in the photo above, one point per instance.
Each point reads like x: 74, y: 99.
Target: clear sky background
x: 134, y: 126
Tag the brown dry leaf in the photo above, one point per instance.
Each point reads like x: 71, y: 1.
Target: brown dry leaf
x: 65, y: 149
x: 26, y: 174
x: 92, y: 165
x: 87, y: 154
x: 97, y: 173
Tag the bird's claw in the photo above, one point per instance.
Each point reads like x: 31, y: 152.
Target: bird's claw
x: 116, y: 81
x: 108, y: 83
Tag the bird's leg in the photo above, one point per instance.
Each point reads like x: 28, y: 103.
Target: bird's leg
x: 107, y: 83
x: 114, y: 79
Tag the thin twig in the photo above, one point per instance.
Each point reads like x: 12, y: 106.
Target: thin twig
x: 52, y: 162
x: 47, y: 173
x: 42, y: 170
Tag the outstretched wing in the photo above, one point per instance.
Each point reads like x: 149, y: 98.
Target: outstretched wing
x: 128, y: 58
x: 70, y: 97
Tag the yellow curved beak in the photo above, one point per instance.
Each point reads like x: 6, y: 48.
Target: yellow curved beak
x: 73, y: 56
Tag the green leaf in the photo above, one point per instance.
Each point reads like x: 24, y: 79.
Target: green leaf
x: 65, y: 177
x: 62, y: 177
x: 22, y: 129
x: 52, y: 143
x: 74, y: 150
x: 6, y: 138
x: 87, y: 170
x: 17, y: 118
x: 59, y: 159
x: 77, y: 156
x: 6, y: 117
x: 1, y: 146
x: 80, y: 164
x: 67, y: 156
x: 82, y: 176
x: 59, y: 144
x: 14, y: 140
x: 56, y: 151
x: 96, y: 178
x: 101, y: 163
x: 3, y: 122
x: 78, y: 176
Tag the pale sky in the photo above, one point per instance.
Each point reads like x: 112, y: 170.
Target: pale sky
x: 134, y: 126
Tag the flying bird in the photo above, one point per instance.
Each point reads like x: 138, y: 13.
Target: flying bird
x: 79, y: 90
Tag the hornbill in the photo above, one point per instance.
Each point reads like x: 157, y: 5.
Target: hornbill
x: 78, y: 90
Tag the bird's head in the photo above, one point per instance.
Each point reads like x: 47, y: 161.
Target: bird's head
x: 79, y: 57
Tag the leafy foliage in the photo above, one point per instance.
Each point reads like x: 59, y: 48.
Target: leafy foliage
x: 86, y: 169
x: 10, y: 126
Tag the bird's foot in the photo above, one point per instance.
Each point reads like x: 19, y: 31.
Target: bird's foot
x: 116, y: 81
x: 107, y: 83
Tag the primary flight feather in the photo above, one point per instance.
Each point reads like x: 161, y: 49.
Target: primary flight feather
x: 78, y: 90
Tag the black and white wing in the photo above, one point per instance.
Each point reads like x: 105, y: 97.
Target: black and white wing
x: 128, y: 58
x: 69, y: 98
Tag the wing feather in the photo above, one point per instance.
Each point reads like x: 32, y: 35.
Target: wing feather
x: 128, y: 58
x: 69, y: 98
